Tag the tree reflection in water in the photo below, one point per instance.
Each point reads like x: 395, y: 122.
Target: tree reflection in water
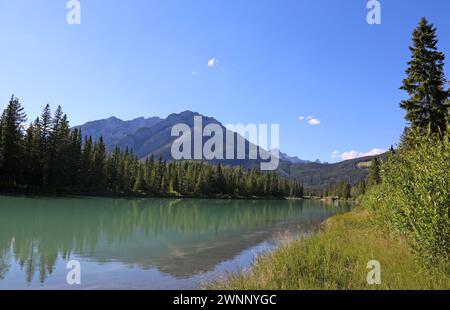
x: 178, y: 237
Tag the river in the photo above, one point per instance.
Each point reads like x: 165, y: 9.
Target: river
x: 142, y: 243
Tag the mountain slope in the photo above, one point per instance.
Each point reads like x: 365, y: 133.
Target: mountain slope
x: 114, y: 130
x: 291, y: 159
x: 323, y: 174
x: 152, y: 136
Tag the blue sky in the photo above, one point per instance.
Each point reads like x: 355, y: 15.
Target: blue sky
x: 276, y: 60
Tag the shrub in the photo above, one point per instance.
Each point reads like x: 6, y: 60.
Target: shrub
x: 414, y: 196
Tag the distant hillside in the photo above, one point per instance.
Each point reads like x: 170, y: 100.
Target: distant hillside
x: 323, y: 174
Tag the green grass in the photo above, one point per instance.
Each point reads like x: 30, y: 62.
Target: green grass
x: 336, y: 258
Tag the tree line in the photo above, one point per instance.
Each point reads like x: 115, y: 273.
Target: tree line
x: 48, y: 154
x: 347, y: 190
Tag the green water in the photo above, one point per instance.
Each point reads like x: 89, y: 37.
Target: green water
x: 141, y: 243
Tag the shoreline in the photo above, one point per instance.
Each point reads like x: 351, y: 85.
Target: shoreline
x: 58, y: 193
x: 336, y: 258
x: 77, y: 194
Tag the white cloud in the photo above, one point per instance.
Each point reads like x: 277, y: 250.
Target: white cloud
x: 195, y: 73
x: 313, y: 121
x: 212, y: 62
x: 356, y: 154
x: 374, y: 152
x: 351, y: 155
x: 335, y: 154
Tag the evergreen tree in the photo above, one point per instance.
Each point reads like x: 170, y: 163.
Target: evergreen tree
x: 59, y: 146
x: 29, y: 159
x: 114, y: 167
x: 373, y: 177
x: 11, y: 144
x: 139, y: 184
x: 425, y: 82
x: 98, y: 165
x: 358, y: 189
x: 85, y: 177
x: 44, y: 129
x: 74, y: 154
x: 219, y: 180
x: 2, y: 117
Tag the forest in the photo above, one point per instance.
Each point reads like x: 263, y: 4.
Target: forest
x: 48, y: 156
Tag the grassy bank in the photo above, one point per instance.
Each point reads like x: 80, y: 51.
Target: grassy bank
x: 336, y: 258
x: 403, y: 221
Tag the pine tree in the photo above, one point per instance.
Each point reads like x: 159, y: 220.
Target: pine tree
x: 43, y: 127
x: 29, y: 159
x: 113, y: 168
x: 139, y: 184
x: 358, y: 189
x: 85, y: 177
x: 425, y: 82
x: 59, y: 146
x: 164, y: 184
x: 373, y: 177
x: 11, y: 142
x: 37, y: 170
x: 219, y: 179
x: 149, y: 173
x: 98, y: 165
x: 74, y: 154
x: 2, y: 117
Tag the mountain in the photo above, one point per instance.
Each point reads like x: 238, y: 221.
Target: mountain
x: 291, y: 159
x: 152, y: 136
x: 114, y: 130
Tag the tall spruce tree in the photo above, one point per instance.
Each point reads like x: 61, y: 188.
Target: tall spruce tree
x: 44, y: 129
x: 30, y: 161
x: 85, y: 176
x: 59, y: 165
x: 11, y: 142
x: 373, y: 177
x: 99, y: 164
x: 74, y: 156
x: 425, y: 82
x: 2, y: 118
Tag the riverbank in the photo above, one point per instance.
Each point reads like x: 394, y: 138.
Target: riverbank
x: 337, y: 257
x: 52, y: 192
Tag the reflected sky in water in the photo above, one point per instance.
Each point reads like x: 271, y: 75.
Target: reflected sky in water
x: 141, y: 243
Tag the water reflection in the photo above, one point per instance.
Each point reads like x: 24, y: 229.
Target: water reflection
x: 181, y: 238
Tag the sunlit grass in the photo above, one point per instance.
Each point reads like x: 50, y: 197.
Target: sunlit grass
x: 337, y: 257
